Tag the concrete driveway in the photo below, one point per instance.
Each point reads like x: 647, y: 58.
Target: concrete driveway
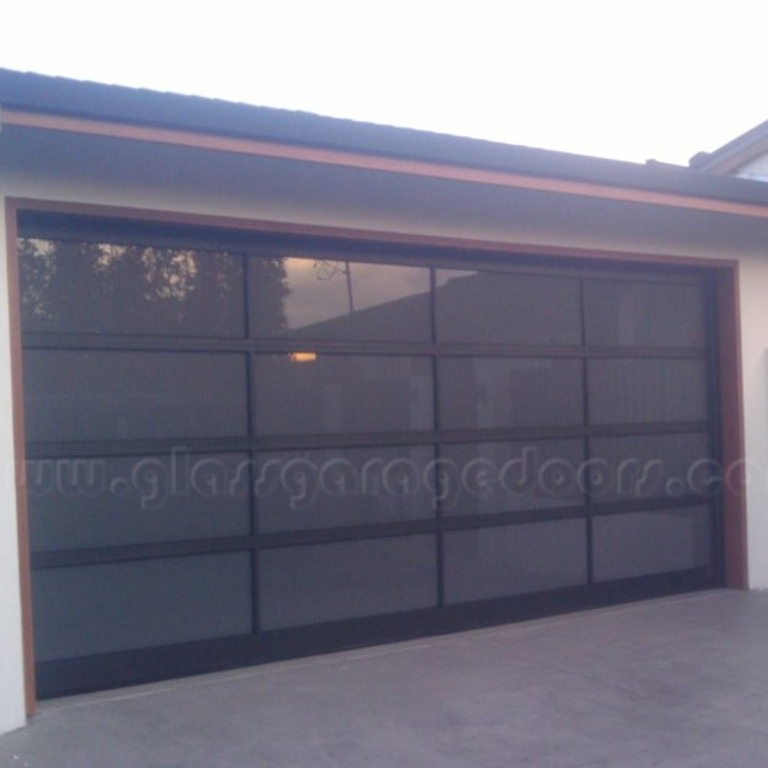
x: 674, y: 682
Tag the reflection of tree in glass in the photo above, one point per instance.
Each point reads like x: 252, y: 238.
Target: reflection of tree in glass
x: 37, y: 263
x: 167, y: 275
x: 327, y: 269
x: 74, y: 286
x: 270, y: 290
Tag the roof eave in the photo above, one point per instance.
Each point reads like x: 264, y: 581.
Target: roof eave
x: 113, y: 107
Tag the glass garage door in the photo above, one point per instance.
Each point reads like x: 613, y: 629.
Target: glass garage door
x: 246, y: 448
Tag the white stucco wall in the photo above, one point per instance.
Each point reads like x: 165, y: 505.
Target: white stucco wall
x: 754, y: 329
x: 754, y: 332
x: 756, y: 169
x: 12, y: 707
x: 149, y: 177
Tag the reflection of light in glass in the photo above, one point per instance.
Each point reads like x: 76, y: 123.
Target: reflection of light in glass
x: 303, y: 357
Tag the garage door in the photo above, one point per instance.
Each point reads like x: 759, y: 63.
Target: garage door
x: 246, y: 447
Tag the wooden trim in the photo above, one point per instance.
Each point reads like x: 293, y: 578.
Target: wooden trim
x: 370, y: 162
x: 19, y: 442
x: 363, y: 235
x: 732, y: 427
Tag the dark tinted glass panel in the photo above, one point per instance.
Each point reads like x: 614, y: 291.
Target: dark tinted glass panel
x: 630, y: 313
x: 327, y: 394
x: 133, y: 395
x: 91, y: 609
x: 486, y: 392
x: 650, y: 466
x: 99, y: 502
x: 647, y: 390
x: 644, y: 543
x: 77, y: 287
x: 497, y: 307
x: 300, y: 490
x: 513, y: 560
x: 337, y: 299
x: 328, y: 582
x: 483, y: 478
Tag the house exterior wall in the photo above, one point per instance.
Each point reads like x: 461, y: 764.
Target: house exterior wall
x: 754, y: 332
x: 756, y: 169
x: 12, y: 706
x: 754, y: 319
x: 147, y: 179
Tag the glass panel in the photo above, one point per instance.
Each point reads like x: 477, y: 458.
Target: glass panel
x: 328, y: 582
x: 514, y: 560
x: 488, y: 392
x: 650, y: 466
x: 501, y: 308
x: 641, y: 391
x: 484, y: 478
x: 326, y: 394
x: 339, y: 299
x: 78, y: 287
x: 133, y: 395
x: 91, y: 609
x: 631, y: 313
x: 100, y: 502
x: 300, y: 490
x: 643, y: 543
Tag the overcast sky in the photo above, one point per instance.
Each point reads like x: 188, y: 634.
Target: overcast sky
x: 658, y: 79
